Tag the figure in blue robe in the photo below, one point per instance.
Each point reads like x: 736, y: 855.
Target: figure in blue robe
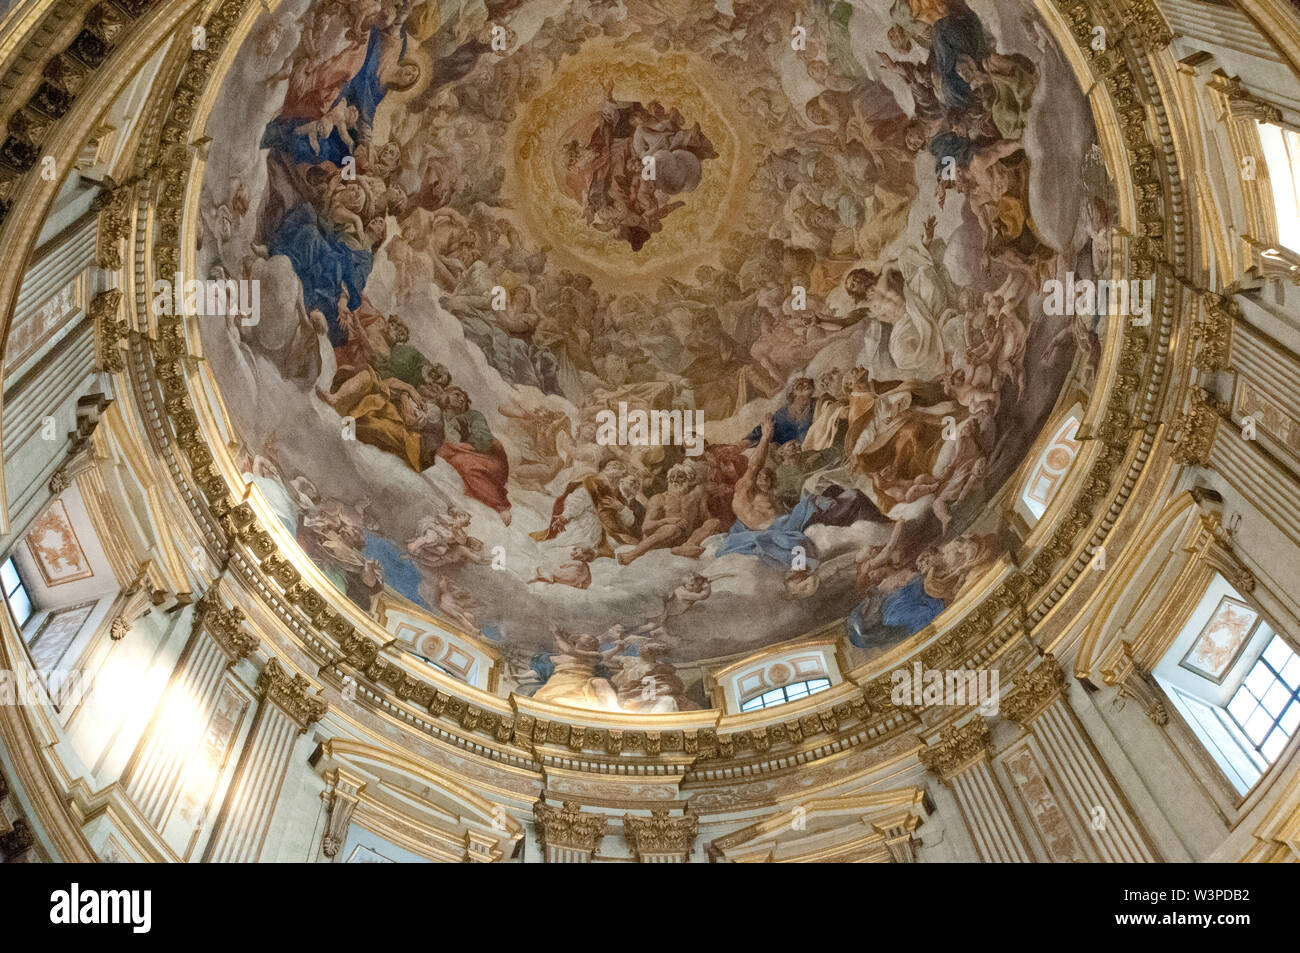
x: 911, y: 607
x: 776, y: 543
x: 959, y: 33
x: 324, y: 262
x: 903, y: 612
x: 786, y: 426
x: 364, y: 91
x: 400, y: 573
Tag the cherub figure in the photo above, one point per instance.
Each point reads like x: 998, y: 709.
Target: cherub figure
x: 342, y: 117
x: 576, y: 572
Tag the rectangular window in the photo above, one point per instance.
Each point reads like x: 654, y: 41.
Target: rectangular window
x: 1266, y: 706
x: 779, y: 696
x: 1282, y: 155
x: 15, y: 593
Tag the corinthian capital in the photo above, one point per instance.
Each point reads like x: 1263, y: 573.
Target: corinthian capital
x: 958, y: 747
x: 1035, y: 690
x: 293, y: 696
x: 567, y: 828
x: 660, y: 834
x: 224, y: 625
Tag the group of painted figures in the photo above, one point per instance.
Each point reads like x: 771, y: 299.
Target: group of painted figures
x: 880, y: 391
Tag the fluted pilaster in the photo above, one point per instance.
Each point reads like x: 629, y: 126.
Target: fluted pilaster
x: 217, y: 641
x: 961, y: 759
x: 1039, y: 704
x: 287, y: 708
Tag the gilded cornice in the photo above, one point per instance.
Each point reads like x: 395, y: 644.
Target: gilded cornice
x: 1148, y: 23
x: 63, y: 76
x: 1132, y: 382
x: 294, y: 696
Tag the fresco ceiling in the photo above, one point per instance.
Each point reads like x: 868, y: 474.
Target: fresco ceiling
x: 489, y: 236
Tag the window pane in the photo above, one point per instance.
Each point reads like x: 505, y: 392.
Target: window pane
x: 774, y: 697
x: 9, y: 576
x: 21, y: 606
x: 753, y: 704
x: 1278, y: 653
x: 1279, y: 155
x: 1276, y: 698
x: 1241, y: 706
x: 1259, y: 680
x: 1291, y: 672
x: 796, y: 691
x: 1291, y: 720
x: 1273, y: 747
x: 819, y: 685
x: 1257, y: 726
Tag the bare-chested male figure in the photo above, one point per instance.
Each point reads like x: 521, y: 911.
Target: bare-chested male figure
x: 753, y: 502
x: 677, y: 518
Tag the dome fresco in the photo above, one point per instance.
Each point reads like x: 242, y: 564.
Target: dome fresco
x: 626, y: 338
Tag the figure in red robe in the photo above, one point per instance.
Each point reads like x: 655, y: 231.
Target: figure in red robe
x: 474, y: 453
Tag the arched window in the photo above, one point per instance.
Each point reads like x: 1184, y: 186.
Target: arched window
x: 786, y: 693
x: 1282, y: 155
x: 1051, y: 466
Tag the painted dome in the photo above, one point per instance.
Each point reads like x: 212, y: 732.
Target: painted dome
x: 627, y: 339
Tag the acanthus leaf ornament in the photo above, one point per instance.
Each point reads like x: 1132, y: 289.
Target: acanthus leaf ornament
x: 958, y: 747
x: 661, y: 834
x: 292, y: 695
x: 1193, y: 432
x: 567, y: 827
x: 1035, y: 690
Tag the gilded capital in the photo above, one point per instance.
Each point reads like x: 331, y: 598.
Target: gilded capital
x: 1194, y: 431
x: 291, y: 695
x: 958, y: 747
x: 225, y: 626
x: 1132, y: 681
x: 104, y: 311
x: 1240, y: 104
x: 567, y: 827
x: 661, y: 834
x: 1035, y: 690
